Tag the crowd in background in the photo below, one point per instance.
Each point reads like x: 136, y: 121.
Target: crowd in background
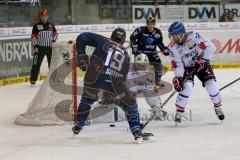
x: 70, y: 12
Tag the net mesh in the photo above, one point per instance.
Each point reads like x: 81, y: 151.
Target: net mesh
x: 58, y: 97
x: 53, y: 104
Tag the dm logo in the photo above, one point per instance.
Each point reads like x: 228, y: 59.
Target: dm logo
x: 141, y: 13
x: 203, y: 12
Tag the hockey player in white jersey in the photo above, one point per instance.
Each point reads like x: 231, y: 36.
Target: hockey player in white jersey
x: 191, y: 52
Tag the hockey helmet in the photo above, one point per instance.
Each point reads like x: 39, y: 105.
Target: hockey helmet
x: 119, y: 35
x: 141, y: 62
x: 176, y: 28
x: 141, y: 58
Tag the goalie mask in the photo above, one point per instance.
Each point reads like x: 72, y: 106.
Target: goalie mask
x: 141, y: 62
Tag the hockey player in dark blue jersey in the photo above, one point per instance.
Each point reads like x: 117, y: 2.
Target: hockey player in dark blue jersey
x: 106, y: 70
x: 144, y: 40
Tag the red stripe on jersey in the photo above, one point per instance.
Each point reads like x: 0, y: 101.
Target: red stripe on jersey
x: 202, y: 46
x: 174, y: 64
x: 34, y: 36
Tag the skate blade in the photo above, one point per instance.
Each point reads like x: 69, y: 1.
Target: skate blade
x: 138, y: 140
x: 149, y: 139
x: 177, y: 124
x: 74, y: 136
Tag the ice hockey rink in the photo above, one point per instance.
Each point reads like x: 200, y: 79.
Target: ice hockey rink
x: 202, y: 137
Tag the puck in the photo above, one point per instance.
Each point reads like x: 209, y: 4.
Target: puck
x: 112, y: 125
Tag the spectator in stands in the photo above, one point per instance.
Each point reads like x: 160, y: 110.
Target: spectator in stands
x: 227, y: 17
x: 68, y: 20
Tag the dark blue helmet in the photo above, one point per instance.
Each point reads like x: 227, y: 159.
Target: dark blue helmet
x: 119, y: 35
x: 176, y: 28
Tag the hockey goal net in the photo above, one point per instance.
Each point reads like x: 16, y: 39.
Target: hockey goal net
x: 57, y: 99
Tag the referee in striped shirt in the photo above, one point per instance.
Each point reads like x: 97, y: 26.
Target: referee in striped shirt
x: 44, y: 34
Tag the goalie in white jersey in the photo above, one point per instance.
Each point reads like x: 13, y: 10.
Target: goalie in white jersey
x: 190, y: 55
x: 141, y: 79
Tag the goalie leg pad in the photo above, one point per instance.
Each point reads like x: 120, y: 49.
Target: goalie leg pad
x: 152, y: 98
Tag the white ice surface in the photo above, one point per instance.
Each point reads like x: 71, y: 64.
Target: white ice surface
x: 203, y: 138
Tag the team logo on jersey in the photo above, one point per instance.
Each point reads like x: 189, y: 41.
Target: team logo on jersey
x: 191, y: 44
x: 157, y: 35
x: 40, y: 27
x: 50, y: 26
x: 150, y: 40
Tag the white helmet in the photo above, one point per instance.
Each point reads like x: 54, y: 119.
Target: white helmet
x: 141, y: 58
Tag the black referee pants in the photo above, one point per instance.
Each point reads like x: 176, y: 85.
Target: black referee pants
x: 37, y: 61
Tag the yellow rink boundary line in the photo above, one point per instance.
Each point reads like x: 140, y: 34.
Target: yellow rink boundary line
x: 24, y: 79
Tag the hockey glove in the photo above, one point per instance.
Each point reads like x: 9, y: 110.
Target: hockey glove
x: 135, y: 50
x: 200, y: 63
x: 178, y: 83
x: 83, y: 62
x: 165, y: 52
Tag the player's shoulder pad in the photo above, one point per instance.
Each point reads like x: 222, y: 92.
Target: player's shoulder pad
x: 140, y: 29
x: 137, y: 31
x: 157, y: 33
x: 193, y: 35
x: 189, y: 33
x: 157, y: 30
x: 196, y: 35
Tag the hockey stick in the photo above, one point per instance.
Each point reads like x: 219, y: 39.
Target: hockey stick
x: 165, y: 102
x: 229, y: 84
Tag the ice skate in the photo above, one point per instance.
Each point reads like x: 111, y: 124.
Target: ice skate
x: 178, y: 118
x: 219, y: 113
x: 141, y: 137
x: 76, y: 130
x: 33, y: 83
